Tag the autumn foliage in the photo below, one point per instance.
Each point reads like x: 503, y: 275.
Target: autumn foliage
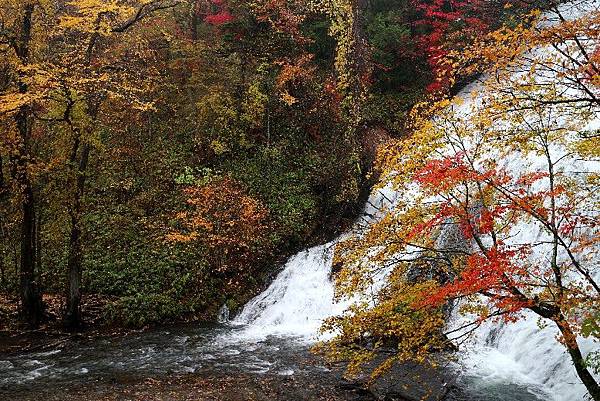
x: 448, y: 25
x: 497, y: 217
x: 219, y: 13
x: 229, y: 226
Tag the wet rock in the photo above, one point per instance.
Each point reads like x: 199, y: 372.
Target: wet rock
x: 335, y: 269
x: 411, y: 381
x: 223, y: 314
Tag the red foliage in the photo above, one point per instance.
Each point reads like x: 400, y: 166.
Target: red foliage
x: 499, y: 272
x: 447, y: 24
x: 222, y: 15
x: 496, y: 273
x: 592, y: 67
x: 444, y: 174
x: 284, y: 16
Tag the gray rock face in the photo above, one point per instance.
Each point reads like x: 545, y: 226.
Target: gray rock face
x: 411, y: 381
x: 437, y: 264
x: 223, y: 314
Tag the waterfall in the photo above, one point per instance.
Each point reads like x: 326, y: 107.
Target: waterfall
x: 302, y: 295
x: 522, y: 353
x: 297, y: 301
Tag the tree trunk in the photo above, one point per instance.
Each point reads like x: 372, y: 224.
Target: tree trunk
x: 359, y: 58
x: 194, y: 20
x: 3, y: 252
x: 38, y: 241
x: 3, y: 192
x: 575, y: 353
x: 73, y: 319
x: 2, y: 180
x: 31, y: 301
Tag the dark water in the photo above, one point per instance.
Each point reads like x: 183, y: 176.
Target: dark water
x: 183, y: 350
x: 168, y: 351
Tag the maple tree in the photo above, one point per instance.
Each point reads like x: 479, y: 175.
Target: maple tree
x: 448, y: 24
x: 499, y: 213
x: 230, y: 225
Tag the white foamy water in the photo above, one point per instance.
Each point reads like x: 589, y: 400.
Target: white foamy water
x: 523, y: 353
x: 302, y: 295
x: 298, y: 299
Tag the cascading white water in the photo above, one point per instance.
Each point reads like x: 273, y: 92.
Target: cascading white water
x: 301, y: 296
x: 522, y: 353
x: 527, y: 352
x: 298, y: 299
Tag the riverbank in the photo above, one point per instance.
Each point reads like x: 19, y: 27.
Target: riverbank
x: 218, y: 362
x: 184, y: 363
x: 16, y: 337
x: 204, y: 387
